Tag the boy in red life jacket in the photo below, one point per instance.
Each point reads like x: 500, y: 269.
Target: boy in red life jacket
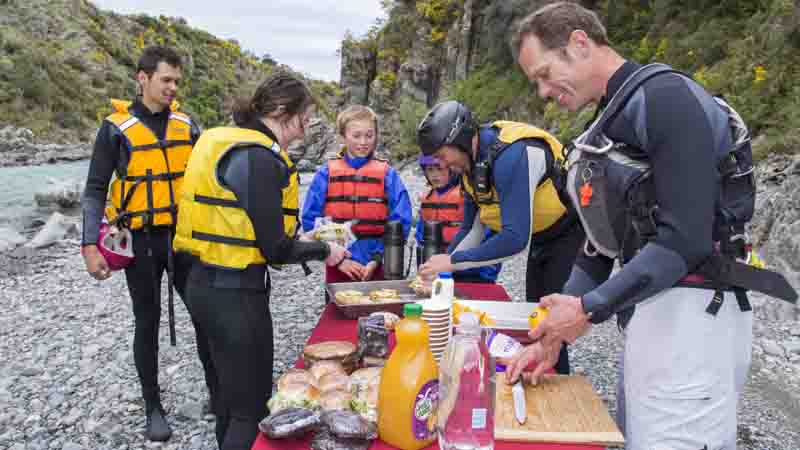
x: 357, y: 186
x: 444, y: 203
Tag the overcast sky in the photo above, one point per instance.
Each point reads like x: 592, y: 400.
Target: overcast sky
x: 304, y: 34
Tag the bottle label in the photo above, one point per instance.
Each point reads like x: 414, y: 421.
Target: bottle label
x: 479, y: 418
x: 502, y: 346
x: 423, y: 424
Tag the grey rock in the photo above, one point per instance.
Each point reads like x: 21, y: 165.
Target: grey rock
x: 57, y: 228
x: 792, y: 347
x: 55, y: 400
x: 71, y: 446
x: 772, y: 348
x: 795, y: 331
x: 60, y: 194
x: 72, y: 418
x: 191, y: 410
x: 32, y: 420
x: 18, y: 446
x: 31, y: 371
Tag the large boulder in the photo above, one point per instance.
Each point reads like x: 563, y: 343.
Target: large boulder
x: 57, y: 228
x: 319, y: 145
x: 18, y: 148
x: 59, y: 194
x: 775, y: 229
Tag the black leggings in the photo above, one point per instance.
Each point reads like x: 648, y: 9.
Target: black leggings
x: 549, y: 267
x: 144, y: 284
x: 238, y: 325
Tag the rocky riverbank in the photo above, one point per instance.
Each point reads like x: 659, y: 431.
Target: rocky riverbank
x: 18, y: 147
x: 67, y: 381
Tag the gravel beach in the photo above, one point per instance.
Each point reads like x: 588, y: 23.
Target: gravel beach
x: 67, y: 380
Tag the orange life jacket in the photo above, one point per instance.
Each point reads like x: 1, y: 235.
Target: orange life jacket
x: 447, y: 209
x: 358, y: 194
x: 148, y: 189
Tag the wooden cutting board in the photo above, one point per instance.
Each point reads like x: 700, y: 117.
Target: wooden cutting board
x: 561, y: 408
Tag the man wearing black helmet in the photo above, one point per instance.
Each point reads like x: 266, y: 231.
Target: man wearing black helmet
x: 510, y: 176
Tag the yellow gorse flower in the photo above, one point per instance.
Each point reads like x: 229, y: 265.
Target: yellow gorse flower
x: 759, y: 74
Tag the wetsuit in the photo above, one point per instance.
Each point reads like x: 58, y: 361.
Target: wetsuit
x: 517, y: 172
x: 682, y: 368
x: 145, y: 273
x: 231, y: 306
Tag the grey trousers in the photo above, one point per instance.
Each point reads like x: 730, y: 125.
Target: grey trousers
x: 681, y: 372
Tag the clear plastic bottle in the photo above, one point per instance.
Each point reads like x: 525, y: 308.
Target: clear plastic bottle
x: 466, y: 391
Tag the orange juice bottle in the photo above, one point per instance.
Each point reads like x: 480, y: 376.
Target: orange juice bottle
x: 409, y: 391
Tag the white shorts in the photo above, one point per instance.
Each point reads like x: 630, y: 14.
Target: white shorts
x: 682, y: 372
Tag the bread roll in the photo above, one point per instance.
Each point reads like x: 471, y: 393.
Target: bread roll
x: 324, y: 367
x: 335, y: 399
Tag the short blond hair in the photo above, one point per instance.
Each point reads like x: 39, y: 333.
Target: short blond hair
x: 355, y: 113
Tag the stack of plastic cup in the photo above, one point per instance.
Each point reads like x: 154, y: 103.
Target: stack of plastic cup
x: 438, y: 313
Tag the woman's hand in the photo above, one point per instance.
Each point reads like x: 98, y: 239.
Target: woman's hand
x: 336, y: 254
x: 352, y: 269
x: 369, y: 270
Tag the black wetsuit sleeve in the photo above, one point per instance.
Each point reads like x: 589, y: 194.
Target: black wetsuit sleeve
x: 195, y: 132
x: 105, y: 158
x: 257, y: 178
x: 677, y: 135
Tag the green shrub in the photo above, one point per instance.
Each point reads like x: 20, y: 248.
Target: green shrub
x: 410, y: 114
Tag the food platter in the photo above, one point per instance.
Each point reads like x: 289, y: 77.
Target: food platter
x: 353, y: 311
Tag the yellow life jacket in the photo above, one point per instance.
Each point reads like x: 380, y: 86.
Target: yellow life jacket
x: 148, y: 188
x: 547, y: 208
x: 211, y: 224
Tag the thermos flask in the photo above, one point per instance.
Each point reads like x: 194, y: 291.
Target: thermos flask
x: 431, y: 240
x: 394, y: 245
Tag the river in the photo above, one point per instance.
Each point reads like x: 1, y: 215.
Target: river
x: 19, y: 184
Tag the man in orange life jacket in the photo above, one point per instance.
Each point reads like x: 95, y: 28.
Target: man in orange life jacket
x: 444, y: 203
x: 145, y: 145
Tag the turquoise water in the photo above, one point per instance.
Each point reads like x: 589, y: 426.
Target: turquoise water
x: 19, y: 184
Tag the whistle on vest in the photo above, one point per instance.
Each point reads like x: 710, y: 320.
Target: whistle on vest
x: 586, y: 192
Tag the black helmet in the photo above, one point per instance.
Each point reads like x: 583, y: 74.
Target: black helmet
x: 447, y: 123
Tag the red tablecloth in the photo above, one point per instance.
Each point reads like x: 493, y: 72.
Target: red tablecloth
x: 334, y: 326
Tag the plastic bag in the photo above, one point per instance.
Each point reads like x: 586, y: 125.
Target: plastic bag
x: 326, y: 230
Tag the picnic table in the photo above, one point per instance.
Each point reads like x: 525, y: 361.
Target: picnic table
x: 333, y: 326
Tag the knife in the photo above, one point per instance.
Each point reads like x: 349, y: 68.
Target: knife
x: 518, y: 394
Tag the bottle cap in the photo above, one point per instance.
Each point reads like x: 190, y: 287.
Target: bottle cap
x: 445, y: 275
x: 412, y: 310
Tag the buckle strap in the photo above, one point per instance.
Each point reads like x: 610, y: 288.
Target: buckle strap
x: 356, y: 199
x: 223, y: 239
x: 380, y: 222
x: 166, y: 144
x: 291, y: 212
x: 166, y: 176
x: 214, y: 201
x: 440, y: 206
x: 354, y: 179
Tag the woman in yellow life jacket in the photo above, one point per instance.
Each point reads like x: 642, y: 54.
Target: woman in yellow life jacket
x: 237, y: 214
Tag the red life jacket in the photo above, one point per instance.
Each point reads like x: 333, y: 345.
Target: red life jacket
x: 447, y: 208
x: 358, y: 194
